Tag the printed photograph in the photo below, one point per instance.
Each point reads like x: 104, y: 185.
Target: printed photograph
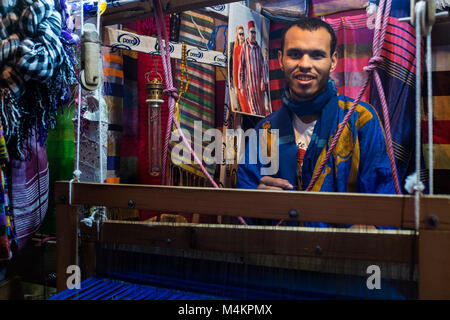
x: 248, y: 61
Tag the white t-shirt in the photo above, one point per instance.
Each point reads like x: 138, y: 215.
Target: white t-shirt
x: 303, y: 134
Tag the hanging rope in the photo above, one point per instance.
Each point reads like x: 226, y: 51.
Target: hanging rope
x: 378, y: 40
x: 77, y: 172
x: 172, y: 93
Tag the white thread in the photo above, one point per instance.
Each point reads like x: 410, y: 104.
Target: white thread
x: 420, y: 12
x: 430, y: 116
x: 77, y: 172
x: 198, y: 29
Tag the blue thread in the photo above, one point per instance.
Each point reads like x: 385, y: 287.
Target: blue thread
x: 212, y: 38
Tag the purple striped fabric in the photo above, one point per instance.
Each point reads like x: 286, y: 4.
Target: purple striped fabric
x: 29, y: 193
x: 354, y: 47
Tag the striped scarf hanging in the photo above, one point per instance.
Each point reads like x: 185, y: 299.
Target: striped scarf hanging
x: 113, y: 94
x: 35, y: 68
x: 397, y: 73
x: 198, y: 104
x: 354, y: 48
x: 441, y: 109
x: 29, y: 192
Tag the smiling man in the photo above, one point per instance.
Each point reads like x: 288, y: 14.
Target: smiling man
x: 308, y: 119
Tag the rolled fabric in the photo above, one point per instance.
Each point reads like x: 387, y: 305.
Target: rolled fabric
x: 33, y: 15
x: 38, y: 60
x: 8, y: 25
x: 8, y: 47
x: 36, y: 67
x: 6, y: 6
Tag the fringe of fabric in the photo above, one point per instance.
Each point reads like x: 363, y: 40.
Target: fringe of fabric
x: 37, y: 69
x: 39, y: 105
x: 181, y: 177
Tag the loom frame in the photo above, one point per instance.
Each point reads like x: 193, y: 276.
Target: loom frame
x: 432, y: 247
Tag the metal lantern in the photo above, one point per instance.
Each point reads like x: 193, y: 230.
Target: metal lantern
x: 154, y: 100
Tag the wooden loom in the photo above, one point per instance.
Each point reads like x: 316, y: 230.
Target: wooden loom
x: 430, y: 252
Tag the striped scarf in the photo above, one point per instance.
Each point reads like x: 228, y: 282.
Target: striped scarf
x: 197, y: 104
x: 35, y: 69
x: 310, y: 107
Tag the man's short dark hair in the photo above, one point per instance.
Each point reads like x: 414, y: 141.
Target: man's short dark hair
x: 311, y: 24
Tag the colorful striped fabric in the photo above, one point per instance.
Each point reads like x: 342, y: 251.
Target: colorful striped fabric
x: 397, y: 73
x: 325, y: 7
x: 113, y: 95
x: 441, y: 109
x: 276, y: 76
x: 354, y: 45
x: 29, y: 192
x: 354, y: 48
x: 198, y: 103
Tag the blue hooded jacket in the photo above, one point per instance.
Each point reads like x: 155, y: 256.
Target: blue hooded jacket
x: 359, y: 162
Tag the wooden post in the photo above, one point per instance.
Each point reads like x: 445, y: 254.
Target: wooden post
x: 434, y: 264
x: 66, y: 242
x: 87, y: 250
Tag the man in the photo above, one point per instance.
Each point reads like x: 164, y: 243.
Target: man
x: 251, y: 72
x: 308, y: 120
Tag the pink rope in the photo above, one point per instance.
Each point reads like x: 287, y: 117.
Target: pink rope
x: 172, y: 92
x: 378, y: 41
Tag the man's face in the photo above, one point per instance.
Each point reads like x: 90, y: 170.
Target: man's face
x: 306, y: 62
x: 252, y: 35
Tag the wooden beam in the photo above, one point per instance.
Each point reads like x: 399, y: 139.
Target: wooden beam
x: 366, y: 209
x: 434, y: 264
x: 144, y: 9
x: 66, y: 242
x: 383, y: 246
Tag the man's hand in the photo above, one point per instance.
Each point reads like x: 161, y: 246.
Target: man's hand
x: 271, y: 183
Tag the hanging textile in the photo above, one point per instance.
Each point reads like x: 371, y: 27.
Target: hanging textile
x: 29, y: 191
x: 198, y: 104
x: 325, y: 7
x: 397, y: 73
x: 130, y: 120
x: 60, y: 154
x: 93, y: 137
x: 354, y: 48
x: 441, y: 109
x: 113, y: 94
x: 5, y: 217
x: 36, y: 68
x: 276, y: 76
x: 147, y: 63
